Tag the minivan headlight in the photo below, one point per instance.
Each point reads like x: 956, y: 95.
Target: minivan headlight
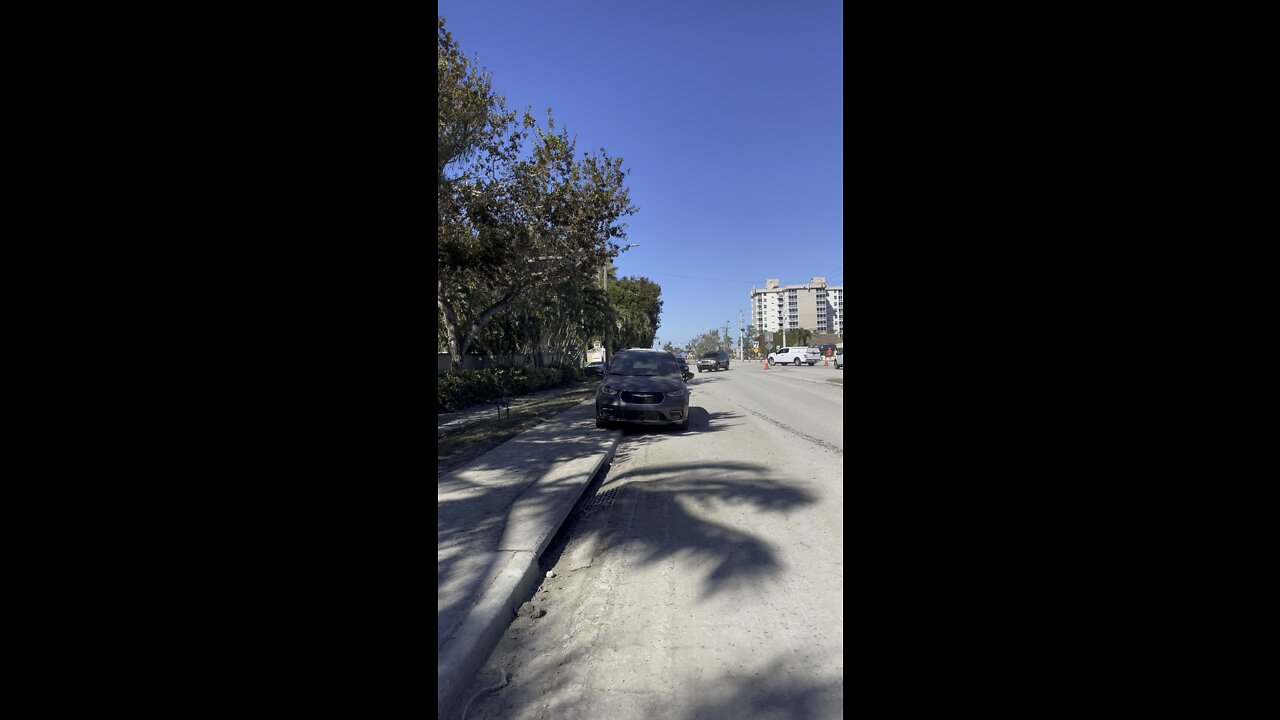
x: 676, y: 393
x: 606, y: 390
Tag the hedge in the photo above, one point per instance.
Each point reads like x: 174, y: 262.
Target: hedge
x: 456, y: 390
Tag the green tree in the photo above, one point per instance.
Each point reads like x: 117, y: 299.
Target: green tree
x: 559, y: 322
x: 706, y: 342
x: 795, y: 337
x: 637, y: 307
x: 519, y: 211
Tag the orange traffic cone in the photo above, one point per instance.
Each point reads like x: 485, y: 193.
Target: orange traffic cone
x: 766, y: 364
x: 824, y: 362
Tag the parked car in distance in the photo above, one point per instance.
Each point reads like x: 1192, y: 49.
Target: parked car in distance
x: 643, y: 386
x: 795, y: 356
x: 714, y: 360
x: 840, y: 360
x: 595, y: 369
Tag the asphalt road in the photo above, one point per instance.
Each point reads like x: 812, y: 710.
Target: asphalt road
x: 704, y: 576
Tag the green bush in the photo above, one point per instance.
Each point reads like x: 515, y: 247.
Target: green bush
x: 456, y: 390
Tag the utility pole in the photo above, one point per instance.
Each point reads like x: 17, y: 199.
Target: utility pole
x: 604, y: 288
x: 741, y: 330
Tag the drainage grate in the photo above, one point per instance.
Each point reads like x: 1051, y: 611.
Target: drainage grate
x: 601, y: 501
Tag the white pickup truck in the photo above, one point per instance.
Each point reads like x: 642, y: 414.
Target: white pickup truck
x: 795, y: 356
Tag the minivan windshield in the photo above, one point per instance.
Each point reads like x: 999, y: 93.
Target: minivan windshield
x: 643, y: 364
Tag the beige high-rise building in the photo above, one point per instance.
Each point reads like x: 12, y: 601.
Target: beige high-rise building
x: 815, y: 306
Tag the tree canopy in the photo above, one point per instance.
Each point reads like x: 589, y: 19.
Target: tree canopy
x: 637, y: 305
x: 522, y: 217
x: 706, y: 342
x: 794, y: 337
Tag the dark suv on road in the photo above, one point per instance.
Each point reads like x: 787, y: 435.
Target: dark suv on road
x: 643, y: 386
x: 716, y: 360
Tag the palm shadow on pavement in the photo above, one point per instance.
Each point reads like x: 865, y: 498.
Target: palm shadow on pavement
x: 669, y: 518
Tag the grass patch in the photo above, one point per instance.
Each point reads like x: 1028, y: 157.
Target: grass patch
x: 459, y: 448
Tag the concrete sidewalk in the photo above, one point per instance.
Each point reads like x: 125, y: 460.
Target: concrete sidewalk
x: 497, y: 515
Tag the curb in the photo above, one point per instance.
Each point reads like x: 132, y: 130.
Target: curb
x: 471, y: 644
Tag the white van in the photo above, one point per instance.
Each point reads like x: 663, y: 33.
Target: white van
x: 795, y: 356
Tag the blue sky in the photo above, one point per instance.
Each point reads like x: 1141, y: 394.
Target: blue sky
x: 729, y: 116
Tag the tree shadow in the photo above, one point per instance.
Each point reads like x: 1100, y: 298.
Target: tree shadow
x: 700, y: 421
x: 774, y: 690
x: 669, y: 523
x: 770, y: 692
x: 530, y: 684
x: 535, y: 477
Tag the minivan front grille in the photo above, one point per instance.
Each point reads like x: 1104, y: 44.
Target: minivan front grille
x: 651, y: 398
